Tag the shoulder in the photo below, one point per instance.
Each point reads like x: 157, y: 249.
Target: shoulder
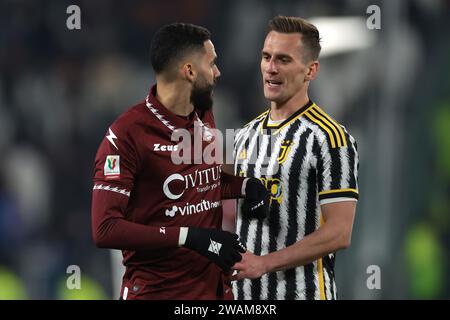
x: 260, y: 118
x: 137, y: 120
x: 126, y: 129
x: 252, y: 125
x: 327, y: 129
x: 130, y: 118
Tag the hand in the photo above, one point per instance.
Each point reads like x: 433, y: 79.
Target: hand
x: 251, y: 267
x: 221, y: 247
x: 256, y: 201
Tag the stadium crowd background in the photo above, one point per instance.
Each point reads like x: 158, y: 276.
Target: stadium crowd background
x: 60, y: 89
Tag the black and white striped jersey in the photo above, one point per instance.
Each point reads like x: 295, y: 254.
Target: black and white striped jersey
x: 305, y: 161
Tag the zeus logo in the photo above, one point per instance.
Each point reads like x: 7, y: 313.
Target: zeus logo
x: 159, y: 147
x: 197, y: 178
x: 111, y: 138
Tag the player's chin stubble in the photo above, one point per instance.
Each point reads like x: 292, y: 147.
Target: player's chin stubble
x: 201, y: 95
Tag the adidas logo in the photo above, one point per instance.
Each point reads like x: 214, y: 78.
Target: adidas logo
x: 214, y: 247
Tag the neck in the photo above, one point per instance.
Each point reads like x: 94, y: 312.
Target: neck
x: 175, y: 96
x: 283, y: 110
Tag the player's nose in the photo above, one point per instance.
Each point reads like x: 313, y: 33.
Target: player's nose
x: 217, y: 72
x: 271, y: 68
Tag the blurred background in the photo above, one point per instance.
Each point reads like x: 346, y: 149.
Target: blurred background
x: 60, y: 89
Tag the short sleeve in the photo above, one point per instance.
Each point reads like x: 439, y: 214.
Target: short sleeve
x: 337, y: 171
x: 115, y: 163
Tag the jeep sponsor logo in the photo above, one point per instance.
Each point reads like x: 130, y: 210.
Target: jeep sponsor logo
x: 189, y: 209
x: 176, y: 184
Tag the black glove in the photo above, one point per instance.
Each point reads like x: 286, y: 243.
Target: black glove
x: 221, y: 247
x: 256, y: 201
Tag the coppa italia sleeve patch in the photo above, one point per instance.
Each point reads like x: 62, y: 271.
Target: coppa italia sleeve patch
x: 111, y: 170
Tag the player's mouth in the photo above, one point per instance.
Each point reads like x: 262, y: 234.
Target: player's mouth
x: 273, y: 83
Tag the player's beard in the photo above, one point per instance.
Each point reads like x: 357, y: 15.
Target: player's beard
x: 201, y: 94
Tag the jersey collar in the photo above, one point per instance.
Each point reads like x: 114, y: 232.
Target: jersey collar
x: 292, y: 118
x: 167, y: 117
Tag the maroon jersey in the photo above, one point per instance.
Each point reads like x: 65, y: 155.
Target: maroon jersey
x: 141, y: 199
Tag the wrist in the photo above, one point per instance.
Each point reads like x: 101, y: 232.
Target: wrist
x: 266, y: 264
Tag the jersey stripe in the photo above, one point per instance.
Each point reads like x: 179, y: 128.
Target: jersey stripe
x: 291, y: 121
x: 320, y: 270
x: 286, y: 287
x: 256, y: 225
x: 261, y: 116
x: 313, y: 119
x: 249, y: 140
x: 321, y: 281
x: 311, y: 225
x: 339, y: 127
x: 271, y: 170
x: 338, y: 191
x: 325, y: 123
x: 112, y: 189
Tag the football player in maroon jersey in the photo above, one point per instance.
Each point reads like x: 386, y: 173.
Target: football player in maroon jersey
x: 166, y: 217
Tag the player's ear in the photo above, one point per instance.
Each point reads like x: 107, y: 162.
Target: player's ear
x: 188, y: 72
x: 313, y: 70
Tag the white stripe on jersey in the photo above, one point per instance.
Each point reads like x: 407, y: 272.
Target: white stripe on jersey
x: 272, y: 169
x: 326, y: 174
x: 240, y: 139
x: 253, y: 224
x: 244, y: 165
x: 327, y: 283
x: 316, y: 281
x: 343, y: 154
x: 284, y: 222
x: 252, y: 151
x: 110, y: 188
x: 335, y: 290
x: 241, y: 133
x: 158, y: 115
x: 333, y: 200
x: 356, y: 162
x: 301, y: 208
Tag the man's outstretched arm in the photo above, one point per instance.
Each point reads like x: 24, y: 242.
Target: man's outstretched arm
x: 334, y: 234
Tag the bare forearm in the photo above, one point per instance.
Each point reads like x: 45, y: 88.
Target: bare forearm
x: 334, y: 234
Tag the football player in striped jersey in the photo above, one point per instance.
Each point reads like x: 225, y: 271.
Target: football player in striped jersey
x: 309, y: 164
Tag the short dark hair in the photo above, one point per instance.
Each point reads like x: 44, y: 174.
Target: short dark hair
x: 174, y: 41
x: 310, y: 34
